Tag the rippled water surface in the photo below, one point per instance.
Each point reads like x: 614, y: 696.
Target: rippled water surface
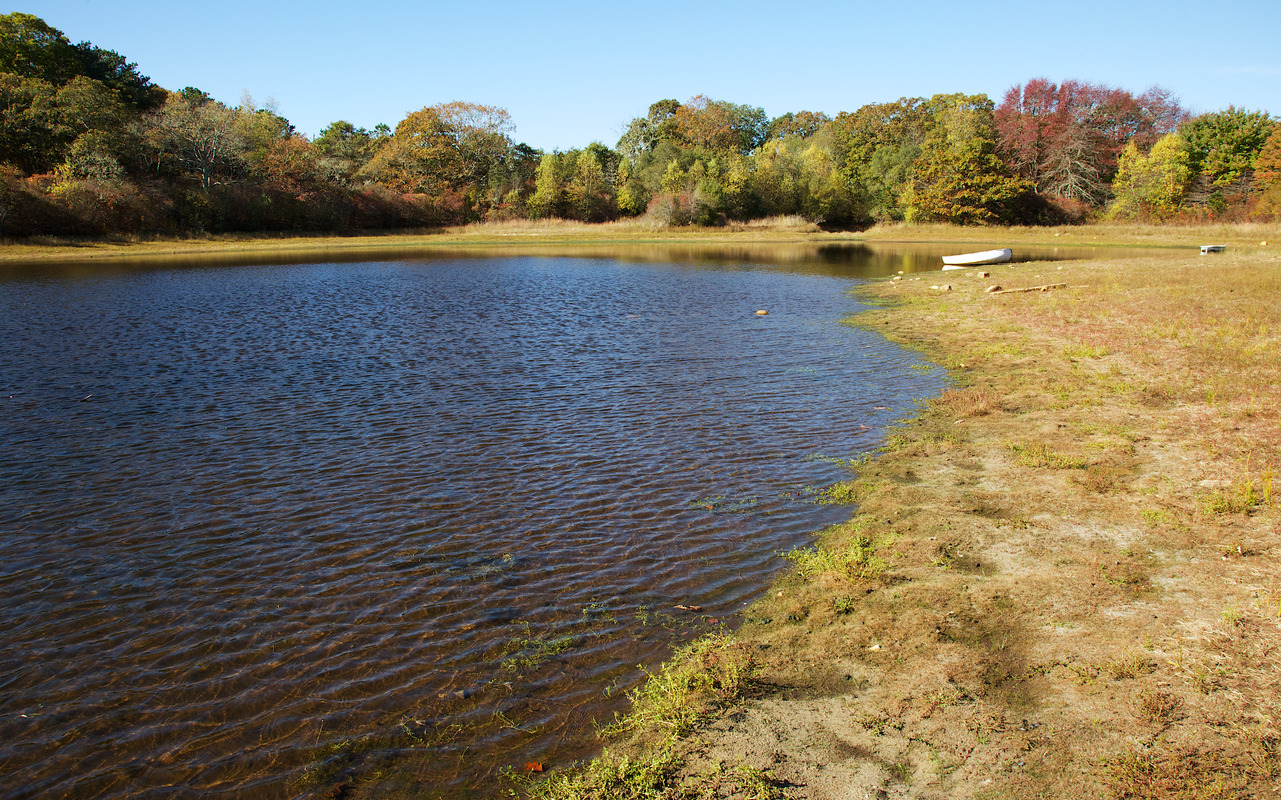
x: 269, y: 529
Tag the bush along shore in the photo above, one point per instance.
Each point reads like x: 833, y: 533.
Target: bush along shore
x: 1062, y: 577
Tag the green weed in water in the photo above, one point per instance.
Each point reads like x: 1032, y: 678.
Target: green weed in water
x: 855, y: 559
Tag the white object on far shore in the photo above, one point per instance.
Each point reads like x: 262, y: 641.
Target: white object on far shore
x: 1213, y: 248
x: 974, y: 259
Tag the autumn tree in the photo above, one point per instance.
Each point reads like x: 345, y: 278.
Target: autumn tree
x: 1267, y: 175
x: 13, y: 193
x: 444, y: 148
x: 292, y: 165
x: 92, y: 156
x: 39, y: 121
x: 30, y: 138
x: 802, y: 124
x: 736, y: 174
x: 86, y: 104
x: 880, y: 142
x: 1066, y: 138
x: 1151, y: 185
x: 644, y: 133
x: 195, y: 96
x: 206, y: 140
x: 546, y: 200
x: 345, y: 149
x: 1267, y: 166
x: 958, y: 177
x: 719, y: 126
x: 262, y: 127
x: 590, y: 190
x: 630, y: 194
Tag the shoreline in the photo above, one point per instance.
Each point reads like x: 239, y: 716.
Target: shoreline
x: 570, y: 235
x: 1063, y: 578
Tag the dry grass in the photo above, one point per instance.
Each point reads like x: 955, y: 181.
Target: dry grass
x: 786, y: 222
x: 974, y: 401
x: 1236, y: 235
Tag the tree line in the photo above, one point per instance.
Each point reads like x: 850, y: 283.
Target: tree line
x: 88, y: 145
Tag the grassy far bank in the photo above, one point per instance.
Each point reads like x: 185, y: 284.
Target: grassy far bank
x: 565, y: 233
x: 1063, y: 579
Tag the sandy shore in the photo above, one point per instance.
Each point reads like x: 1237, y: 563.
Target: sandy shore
x: 1062, y: 579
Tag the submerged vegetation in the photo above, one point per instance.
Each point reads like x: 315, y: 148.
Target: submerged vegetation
x: 90, y: 146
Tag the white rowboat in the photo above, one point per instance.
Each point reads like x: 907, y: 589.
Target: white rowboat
x: 975, y: 259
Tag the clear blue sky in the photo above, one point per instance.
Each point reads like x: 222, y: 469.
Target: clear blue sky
x: 571, y: 73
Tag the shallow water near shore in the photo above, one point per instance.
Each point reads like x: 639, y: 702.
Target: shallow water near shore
x: 272, y: 529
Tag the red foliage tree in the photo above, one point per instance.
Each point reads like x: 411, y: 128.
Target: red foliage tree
x: 1066, y: 138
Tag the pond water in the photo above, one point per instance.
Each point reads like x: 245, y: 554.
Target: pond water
x: 270, y: 529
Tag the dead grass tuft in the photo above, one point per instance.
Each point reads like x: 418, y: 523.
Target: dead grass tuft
x: 1159, y: 707
x: 974, y: 401
x: 1132, y: 665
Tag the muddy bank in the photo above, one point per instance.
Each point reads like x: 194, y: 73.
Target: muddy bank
x: 1063, y: 578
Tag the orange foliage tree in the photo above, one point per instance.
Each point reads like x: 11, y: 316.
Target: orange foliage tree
x: 450, y: 146
x: 720, y: 126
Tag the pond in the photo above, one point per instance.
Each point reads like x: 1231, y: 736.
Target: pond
x: 270, y: 529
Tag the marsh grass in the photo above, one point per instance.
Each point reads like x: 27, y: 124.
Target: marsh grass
x: 710, y: 674
x: 608, y: 776
x: 856, y: 559
x: 529, y: 651
x: 1245, y: 494
x: 1239, y: 237
x: 850, y: 550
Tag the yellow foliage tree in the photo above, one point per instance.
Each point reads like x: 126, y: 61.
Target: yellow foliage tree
x: 958, y: 178
x: 1151, y: 185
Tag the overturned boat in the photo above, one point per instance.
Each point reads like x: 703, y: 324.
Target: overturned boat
x: 977, y: 259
